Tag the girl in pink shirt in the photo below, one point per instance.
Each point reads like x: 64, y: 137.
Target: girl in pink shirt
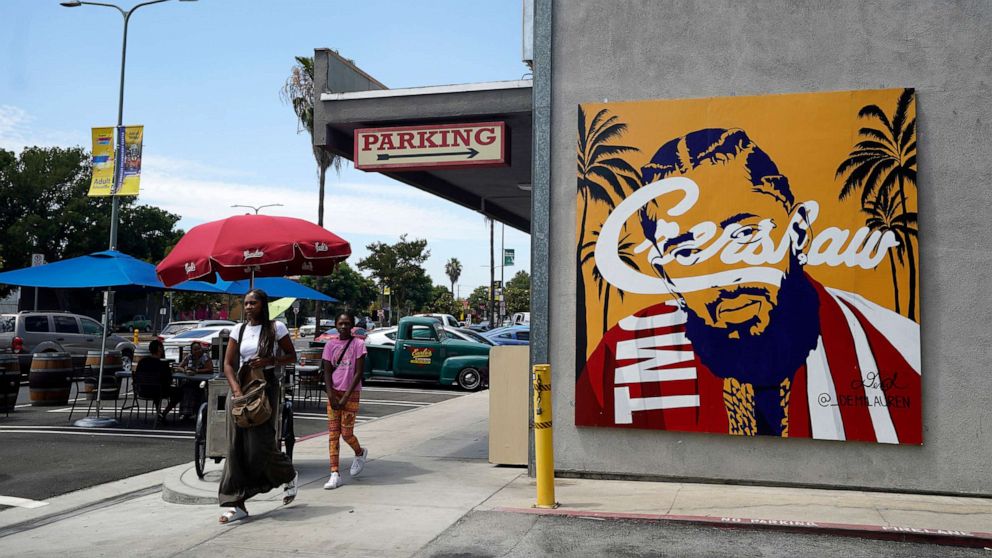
x: 343, y: 364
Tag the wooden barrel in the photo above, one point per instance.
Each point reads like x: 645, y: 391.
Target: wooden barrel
x: 10, y: 381
x: 139, y: 353
x: 48, y: 381
x: 112, y: 364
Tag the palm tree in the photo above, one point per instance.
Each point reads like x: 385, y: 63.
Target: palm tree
x: 453, y: 269
x: 298, y: 91
x: 884, y: 214
x: 602, y: 285
x: 601, y: 175
x: 885, y: 161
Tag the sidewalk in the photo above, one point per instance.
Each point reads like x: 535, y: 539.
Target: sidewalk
x: 427, y: 469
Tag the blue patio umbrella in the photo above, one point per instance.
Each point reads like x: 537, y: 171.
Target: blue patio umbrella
x: 275, y: 287
x: 107, y: 269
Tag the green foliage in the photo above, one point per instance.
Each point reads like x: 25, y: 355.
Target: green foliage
x: 517, y: 293
x: 353, y: 290
x: 453, y: 269
x: 298, y: 92
x: 400, y: 267
x: 478, y: 301
x: 442, y: 302
x: 45, y: 210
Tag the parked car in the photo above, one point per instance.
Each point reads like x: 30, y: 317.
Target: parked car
x: 387, y: 336
x: 308, y: 329
x: 423, y: 350
x: 178, y: 345
x: 323, y: 338
x: 520, y: 318
x: 26, y: 333
x: 513, y: 335
x: 481, y: 326
x: 175, y: 328
x: 446, y: 319
x: 139, y: 322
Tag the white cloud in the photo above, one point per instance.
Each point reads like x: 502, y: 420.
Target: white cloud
x: 17, y: 131
x: 200, y: 193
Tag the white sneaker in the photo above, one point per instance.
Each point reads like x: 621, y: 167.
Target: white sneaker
x: 333, y: 482
x: 359, y: 463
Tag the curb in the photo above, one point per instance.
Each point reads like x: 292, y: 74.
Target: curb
x: 187, y: 489
x: 946, y: 537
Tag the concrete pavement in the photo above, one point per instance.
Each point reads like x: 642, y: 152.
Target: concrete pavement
x: 427, y: 470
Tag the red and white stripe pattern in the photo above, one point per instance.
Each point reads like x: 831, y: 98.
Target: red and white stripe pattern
x: 861, y: 382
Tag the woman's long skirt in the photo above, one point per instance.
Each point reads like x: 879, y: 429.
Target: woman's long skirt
x: 254, y: 465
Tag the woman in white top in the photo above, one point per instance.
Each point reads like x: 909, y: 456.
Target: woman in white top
x: 254, y: 464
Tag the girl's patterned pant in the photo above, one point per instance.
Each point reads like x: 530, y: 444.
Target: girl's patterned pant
x: 341, y: 424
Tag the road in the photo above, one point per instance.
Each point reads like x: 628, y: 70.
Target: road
x: 509, y: 535
x: 43, y: 455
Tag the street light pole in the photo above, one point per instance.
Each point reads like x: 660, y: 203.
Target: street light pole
x: 108, y: 299
x: 257, y: 208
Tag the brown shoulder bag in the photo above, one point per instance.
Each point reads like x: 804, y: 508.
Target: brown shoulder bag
x: 252, y: 408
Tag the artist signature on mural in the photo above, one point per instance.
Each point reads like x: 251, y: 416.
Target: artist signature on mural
x: 874, y: 380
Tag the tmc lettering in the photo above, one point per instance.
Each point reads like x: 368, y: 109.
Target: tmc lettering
x: 427, y: 139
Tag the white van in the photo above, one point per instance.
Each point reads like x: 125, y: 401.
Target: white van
x: 521, y: 318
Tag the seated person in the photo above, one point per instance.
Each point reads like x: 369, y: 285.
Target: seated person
x: 197, y: 361
x: 153, y: 378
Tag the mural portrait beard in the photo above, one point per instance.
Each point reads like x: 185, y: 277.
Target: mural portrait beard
x: 762, y: 358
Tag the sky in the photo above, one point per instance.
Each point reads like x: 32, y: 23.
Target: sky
x: 204, y: 77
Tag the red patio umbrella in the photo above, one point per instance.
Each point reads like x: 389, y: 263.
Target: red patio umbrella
x: 248, y: 246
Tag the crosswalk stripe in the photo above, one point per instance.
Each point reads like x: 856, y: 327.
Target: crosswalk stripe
x: 20, y: 502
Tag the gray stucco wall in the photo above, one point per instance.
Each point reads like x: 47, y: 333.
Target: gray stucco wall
x: 626, y: 50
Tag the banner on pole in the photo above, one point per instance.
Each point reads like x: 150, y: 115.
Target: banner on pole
x: 127, y: 159
x: 103, y: 162
x: 508, y: 257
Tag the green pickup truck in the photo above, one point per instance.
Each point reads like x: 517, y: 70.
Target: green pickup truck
x: 423, y: 351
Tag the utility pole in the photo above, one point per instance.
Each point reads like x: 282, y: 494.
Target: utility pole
x: 502, y: 275
x: 492, y: 275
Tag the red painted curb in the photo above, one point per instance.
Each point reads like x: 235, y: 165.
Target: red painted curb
x: 312, y: 436
x: 949, y: 537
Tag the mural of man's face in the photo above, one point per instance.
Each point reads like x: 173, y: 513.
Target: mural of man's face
x: 745, y: 222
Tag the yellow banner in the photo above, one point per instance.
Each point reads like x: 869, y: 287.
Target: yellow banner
x: 105, y: 158
x: 131, y: 155
x: 103, y: 162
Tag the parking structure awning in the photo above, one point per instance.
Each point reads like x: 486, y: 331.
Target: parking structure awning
x: 349, y: 99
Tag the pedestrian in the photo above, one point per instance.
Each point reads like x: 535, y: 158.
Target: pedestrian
x: 343, y: 364
x: 254, y: 465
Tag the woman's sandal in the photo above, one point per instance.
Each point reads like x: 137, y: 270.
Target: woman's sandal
x: 232, y: 515
x: 292, y: 487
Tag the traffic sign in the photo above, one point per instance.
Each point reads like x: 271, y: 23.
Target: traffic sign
x: 37, y: 259
x: 438, y: 146
x: 385, y: 291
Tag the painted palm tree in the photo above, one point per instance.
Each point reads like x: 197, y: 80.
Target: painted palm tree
x: 885, y: 214
x: 602, y: 285
x: 298, y: 92
x: 453, y: 269
x: 602, y: 174
x: 883, y: 163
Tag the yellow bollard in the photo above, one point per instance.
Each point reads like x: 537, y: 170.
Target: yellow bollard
x: 544, y: 455
x: 135, y: 336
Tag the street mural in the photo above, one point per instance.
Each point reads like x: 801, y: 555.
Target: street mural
x: 750, y: 266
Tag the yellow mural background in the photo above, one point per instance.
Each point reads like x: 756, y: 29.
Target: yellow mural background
x: 807, y: 136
